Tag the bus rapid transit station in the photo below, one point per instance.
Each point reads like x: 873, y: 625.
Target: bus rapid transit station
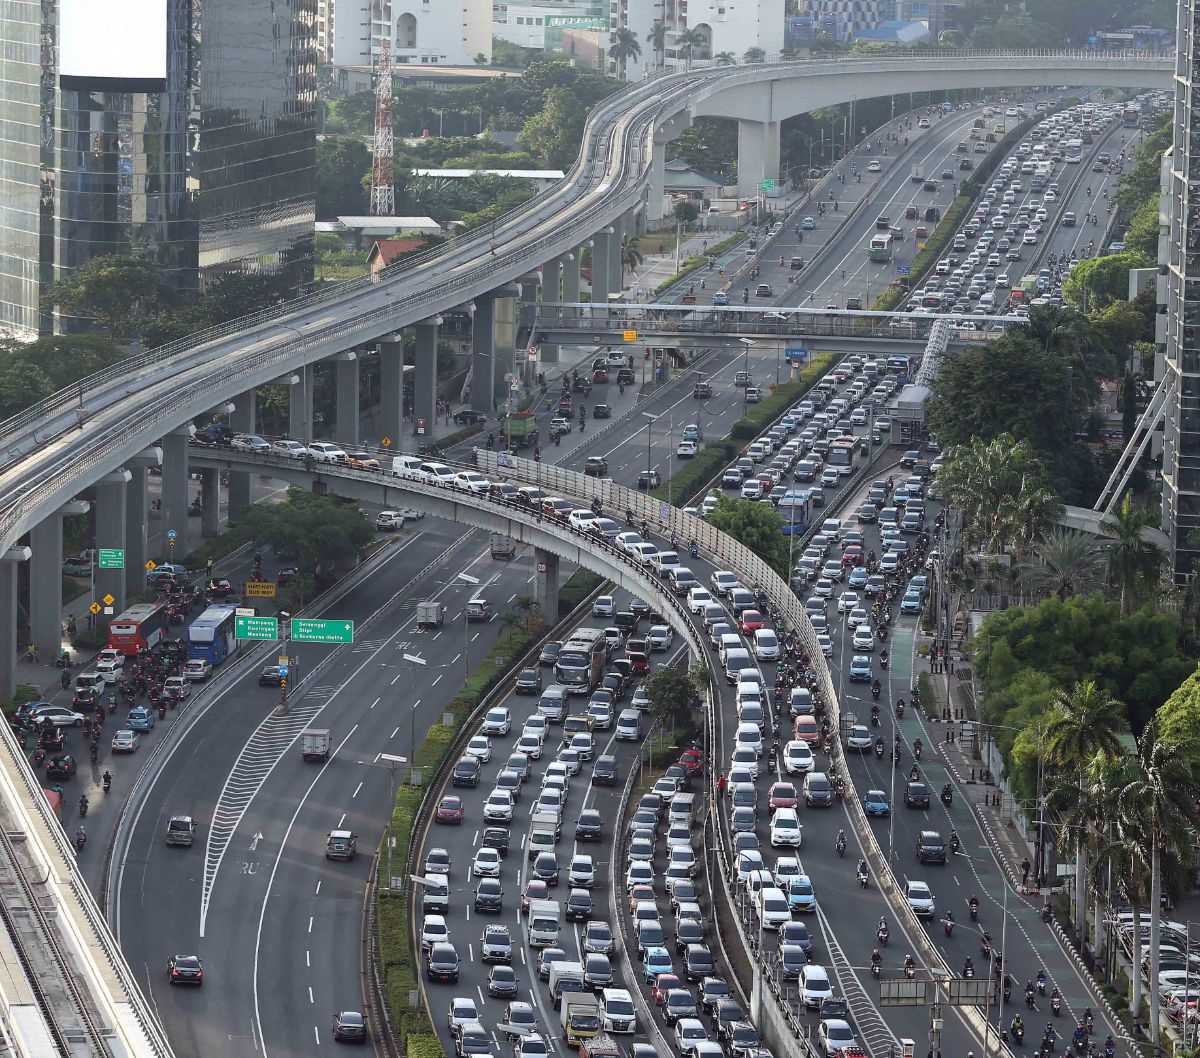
x: 110, y: 429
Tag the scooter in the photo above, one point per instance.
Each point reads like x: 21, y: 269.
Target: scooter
x: 80, y: 839
x: 1056, y: 1005
x: 882, y: 934
x: 162, y: 710
x: 107, y: 782
x: 879, y: 748
x: 83, y: 806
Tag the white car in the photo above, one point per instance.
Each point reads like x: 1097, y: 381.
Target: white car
x: 326, y: 452
x: 472, y: 481
x: 463, y: 1010
x: 835, y: 1035
x: 766, y: 645
x: 774, y: 908
x: 250, y: 442
x: 858, y: 616
x: 698, y: 599
x: 531, y: 745
x: 863, y: 639
x: 110, y: 667
x: 604, y: 606
x: 626, y: 541
x: 723, y: 582
x: 582, y: 872
x: 197, y: 669
x: 686, y: 450
x: 498, y: 721
x: 643, y: 553
x: 919, y: 898
x: 434, y: 931
x: 860, y: 738
x: 785, y: 828
x: 847, y: 601
x: 498, y: 808
x: 480, y: 747
x: 797, y: 758
x: 287, y: 447
x: 486, y: 863
x: 814, y: 985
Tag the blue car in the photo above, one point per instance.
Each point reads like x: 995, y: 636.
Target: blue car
x: 911, y: 603
x: 808, y: 224
x: 140, y: 719
x: 658, y: 961
x: 860, y: 669
x: 858, y: 577
x: 876, y: 803
x: 801, y: 895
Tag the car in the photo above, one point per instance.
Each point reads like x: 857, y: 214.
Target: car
x: 285, y: 446
x: 835, y: 1035
x: 341, y: 845
x: 535, y: 889
x: 349, y: 1025
x: 876, y: 803
x: 782, y: 795
x: 529, y: 681
x: 197, y: 669
x: 437, y: 861
x: 656, y: 960
x: 498, y: 720
x: 930, y: 847
x: 598, y: 938
x: 689, y: 1031
x: 604, y: 606
x: 859, y: 738
x: 60, y: 766
x: 326, y: 452
x: 919, y: 898
x: 498, y: 808
x: 686, y: 450
x: 249, y: 442
x: 185, y: 970
x: 814, y: 985
x: 140, y: 718
x: 57, y: 715
x: 496, y: 838
x: 785, y: 828
x: 441, y: 963
x: 916, y: 795
x: 798, y: 757
x: 801, y: 895
x: 495, y: 945
x: 582, y: 871
x: 678, y: 1004
x: 860, y: 668
x: 479, y: 747
x: 549, y: 653
x: 125, y: 741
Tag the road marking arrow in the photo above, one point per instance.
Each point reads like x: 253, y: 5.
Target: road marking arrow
x: 254, y: 842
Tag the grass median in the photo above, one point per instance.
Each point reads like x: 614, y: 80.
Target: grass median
x: 700, y: 260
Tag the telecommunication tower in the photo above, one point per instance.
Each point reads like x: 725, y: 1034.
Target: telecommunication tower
x: 383, y: 180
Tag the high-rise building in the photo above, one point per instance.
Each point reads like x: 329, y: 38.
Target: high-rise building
x: 423, y: 32
x: 171, y: 129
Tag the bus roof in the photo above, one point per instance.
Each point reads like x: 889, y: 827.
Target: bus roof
x: 138, y: 612
x: 210, y: 619
x: 586, y: 636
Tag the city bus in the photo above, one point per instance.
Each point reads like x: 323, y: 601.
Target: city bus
x: 844, y: 455
x: 794, y: 509
x: 210, y: 636
x: 1131, y: 116
x: 1073, y: 151
x: 581, y: 661
x: 881, y: 248
x: 138, y: 628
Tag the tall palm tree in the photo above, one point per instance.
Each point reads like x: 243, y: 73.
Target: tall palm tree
x: 1134, y: 563
x: 689, y: 41
x: 1066, y: 563
x: 1083, y: 724
x: 1162, y: 795
x: 657, y: 39
x: 631, y: 256
x: 623, y: 46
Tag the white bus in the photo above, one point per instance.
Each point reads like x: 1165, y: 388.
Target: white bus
x: 1073, y: 151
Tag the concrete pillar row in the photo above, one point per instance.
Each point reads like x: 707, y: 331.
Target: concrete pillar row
x: 391, y: 388
x: 546, y: 585
x: 616, y: 264
x: 570, y: 277
x: 483, y: 355
x: 137, y: 526
x: 243, y: 419
x: 346, y: 383
x: 175, y: 494
x: 210, y: 502
x: 758, y: 155
x: 656, y: 183
x: 110, y: 532
x: 601, y: 270
x: 300, y: 405
x: 552, y: 280
x: 45, y: 579
x: 8, y: 618
x: 425, y: 371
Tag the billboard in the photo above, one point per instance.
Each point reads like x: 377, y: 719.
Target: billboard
x: 119, y: 45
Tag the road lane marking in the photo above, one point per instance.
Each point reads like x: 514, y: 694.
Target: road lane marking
x: 393, y: 734
x: 354, y: 795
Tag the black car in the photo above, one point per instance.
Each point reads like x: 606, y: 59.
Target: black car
x: 712, y: 991
x: 466, y: 772
x: 930, y: 847
x: 625, y: 374
x: 502, y: 490
x: 496, y: 944
x: 489, y: 895
x: 835, y: 1007
x: 728, y: 1013
x: 466, y: 417
x: 688, y: 931
x: 442, y: 963
x: 270, y: 676
x: 545, y: 868
x: 649, y: 479
x: 597, y: 971
x: 626, y: 621
x: 496, y: 838
x: 796, y: 933
x: 604, y: 771
x: 589, y: 826
x: 502, y: 982
x: 742, y: 1040
x: 698, y: 962
x: 601, y: 411
x: 185, y: 970
x: 791, y: 961
x: 60, y: 767
x: 349, y: 1025
x: 549, y: 654
x: 916, y: 795
x: 529, y: 681
x: 579, y: 905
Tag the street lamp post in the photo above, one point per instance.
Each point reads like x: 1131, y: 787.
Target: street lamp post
x: 650, y: 421
x: 747, y: 345
x: 413, y: 661
x: 466, y: 578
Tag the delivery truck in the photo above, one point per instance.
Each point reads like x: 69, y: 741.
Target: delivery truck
x: 430, y: 614
x: 918, y: 173
x: 314, y: 744
x: 580, y: 1014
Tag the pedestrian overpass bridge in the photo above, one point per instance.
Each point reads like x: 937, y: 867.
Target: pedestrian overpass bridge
x: 74, y: 438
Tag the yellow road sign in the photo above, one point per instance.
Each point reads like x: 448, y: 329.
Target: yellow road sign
x: 109, y: 600
x: 630, y: 336
x: 151, y: 565
x: 386, y: 442
x: 94, y: 608
x: 260, y: 589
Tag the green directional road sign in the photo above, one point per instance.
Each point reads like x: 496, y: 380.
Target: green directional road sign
x: 305, y: 630
x: 255, y: 628
x: 112, y: 558
x: 766, y: 185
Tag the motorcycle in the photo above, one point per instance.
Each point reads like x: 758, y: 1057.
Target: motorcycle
x: 1029, y: 997
x: 947, y: 795
x: 83, y: 806
x: 910, y: 968
x: 883, y: 659
x: 80, y: 839
x: 948, y: 926
x: 841, y: 847
x: 969, y: 970
x: 955, y: 844
x: 1041, y: 982
x: 879, y: 747
x: 1056, y: 1004
x: 771, y: 764
x: 1018, y: 1034
x: 900, y: 709
x: 875, y: 970
x: 1047, y: 913
x: 162, y: 710
x: 874, y: 716
x: 876, y: 690
x: 1008, y: 993
x: 863, y: 879
x: 107, y: 782
x: 694, y: 549
x: 985, y: 946
x: 918, y: 745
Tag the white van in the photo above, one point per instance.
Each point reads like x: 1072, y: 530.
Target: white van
x: 681, y: 809
x: 629, y: 725
x: 543, y: 923
x: 406, y: 466
x: 729, y: 641
x: 617, y: 1012
x: 773, y: 906
x: 437, y: 473
x: 435, y: 894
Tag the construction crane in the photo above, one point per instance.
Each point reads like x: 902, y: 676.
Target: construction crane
x: 383, y: 179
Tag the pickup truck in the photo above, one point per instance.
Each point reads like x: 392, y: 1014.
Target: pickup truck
x: 580, y: 1014
x: 314, y: 744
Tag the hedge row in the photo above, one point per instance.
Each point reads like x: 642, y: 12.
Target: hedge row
x: 700, y: 260
x: 687, y: 482
x: 927, y: 258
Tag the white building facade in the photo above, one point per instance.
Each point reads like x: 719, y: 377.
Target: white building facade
x: 423, y: 32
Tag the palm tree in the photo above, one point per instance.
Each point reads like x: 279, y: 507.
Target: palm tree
x: 1083, y: 724
x: 1066, y: 564
x: 754, y: 55
x: 1134, y: 563
x: 657, y: 39
x: 631, y: 256
x: 1162, y: 794
x: 623, y: 47
x: 689, y: 41
x: 725, y: 58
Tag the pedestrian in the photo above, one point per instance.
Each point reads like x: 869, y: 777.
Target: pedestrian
x: 720, y: 787
x: 1025, y: 871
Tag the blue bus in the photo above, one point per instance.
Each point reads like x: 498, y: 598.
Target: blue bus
x: 211, y: 636
x: 794, y: 510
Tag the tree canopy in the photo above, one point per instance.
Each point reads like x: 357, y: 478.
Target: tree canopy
x: 758, y: 526
x: 28, y: 373
x: 1095, y: 283
x: 120, y: 293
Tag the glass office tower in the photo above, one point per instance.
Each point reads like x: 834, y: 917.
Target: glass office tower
x: 206, y: 167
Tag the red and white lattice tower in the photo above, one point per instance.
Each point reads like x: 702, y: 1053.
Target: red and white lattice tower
x: 383, y: 179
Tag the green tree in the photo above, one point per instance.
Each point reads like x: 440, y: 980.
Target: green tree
x: 690, y: 42
x: 120, y: 293
x: 1135, y: 564
x: 554, y: 135
x: 1179, y: 717
x: 21, y: 385
x: 1064, y: 563
x: 342, y: 163
x: 758, y: 527
x: 65, y: 358
x: 1085, y: 723
x: 685, y: 211
x: 657, y: 39
x: 623, y: 47
x: 725, y: 58
x: 754, y: 55
x: 672, y: 696
x: 1096, y: 282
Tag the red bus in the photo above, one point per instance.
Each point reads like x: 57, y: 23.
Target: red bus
x: 138, y: 628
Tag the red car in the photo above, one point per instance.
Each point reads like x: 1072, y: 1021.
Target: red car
x: 750, y: 621
x: 449, y: 810
x: 852, y: 556
x: 534, y: 890
x: 600, y: 375
x: 639, y: 664
x: 692, y: 761
x: 782, y: 795
x: 806, y: 730
x: 663, y: 983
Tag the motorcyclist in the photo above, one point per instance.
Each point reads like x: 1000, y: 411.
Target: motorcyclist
x: 841, y: 841
x: 968, y: 967
x: 876, y: 958
x: 107, y: 780
x: 1017, y: 1028
x: 862, y: 870
x: 80, y: 837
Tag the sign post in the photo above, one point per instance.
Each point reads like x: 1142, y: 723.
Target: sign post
x: 255, y: 627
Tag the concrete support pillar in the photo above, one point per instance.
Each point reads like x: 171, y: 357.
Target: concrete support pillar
x: 210, y: 502
x: 110, y: 532
x: 425, y: 371
x: 300, y: 405
x: 601, y: 246
x: 758, y: 155
x: 546, y: 585
x: 505, y: 342
x: 570, y: 278
x: 656, y: 183
x: 483, y: 355
x: 391, y: 388
x: 346, y: 429
x: 552, y: 272
x: 45, y: 579
x: 243, y: 419
x: 175, y: 494
x: 137, y: 525
x: 616, y: 269
x: 8, y: 618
